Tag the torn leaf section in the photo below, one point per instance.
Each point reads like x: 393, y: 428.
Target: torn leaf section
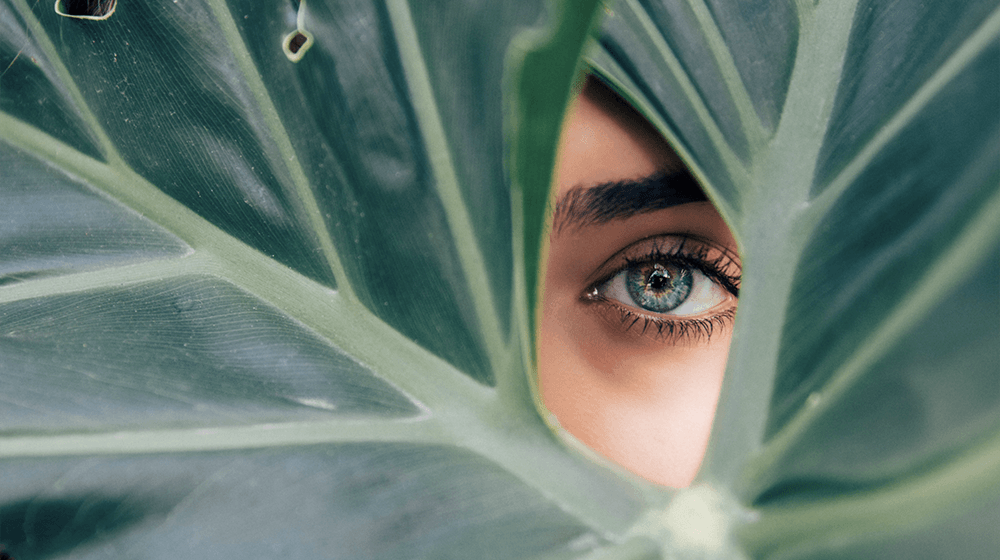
x: 176, y: 352
x: 296, y: 44
x: 86, y: 9
x: 166, y: 86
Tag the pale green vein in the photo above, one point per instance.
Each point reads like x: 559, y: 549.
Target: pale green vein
x: 116, y: 276
x: 749, y: 120
x: 804, y: 7
x: 818, y: 71
x: 976, y: 242
x: 269, y: 113
x: 345, y: 322
x: 76, y: 99
x: 675, y: 68
x: 965, y: 483
x: 772, y: 240
x: 983, y: 37
x: 223, y: 438
x: 446, y: 180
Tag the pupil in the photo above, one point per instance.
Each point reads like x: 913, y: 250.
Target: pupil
x: 659, y: 280
x: 659, y: 287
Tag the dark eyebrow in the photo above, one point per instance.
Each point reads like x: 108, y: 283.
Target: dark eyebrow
x: 599, y: 204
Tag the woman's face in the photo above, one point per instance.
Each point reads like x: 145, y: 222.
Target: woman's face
x: 640, y: 293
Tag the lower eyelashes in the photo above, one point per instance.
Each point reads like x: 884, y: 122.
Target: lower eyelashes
x: 672, y: 330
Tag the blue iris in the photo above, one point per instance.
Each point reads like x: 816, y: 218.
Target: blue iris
x: 658, y: 287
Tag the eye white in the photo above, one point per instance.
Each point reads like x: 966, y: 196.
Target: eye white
x: 705, y: 294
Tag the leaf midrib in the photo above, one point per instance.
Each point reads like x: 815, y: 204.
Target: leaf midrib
x: 773, y: 224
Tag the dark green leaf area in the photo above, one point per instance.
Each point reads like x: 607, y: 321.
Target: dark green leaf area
x: 890, y: 232
x: 895, y: 50
x: 353, y: 124
x: 43, y: 527
x: 936, y: 392
x: 761, y: 36
x: 29, y: 87
x: 173, y: 352
x: 169, y: 92
x: 683, y: 35
x: 353, y: 501
x: 466, y: 47
x: 627, y: 54
x: 50, y: 224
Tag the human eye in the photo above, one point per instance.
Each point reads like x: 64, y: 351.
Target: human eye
x: 670, y: 287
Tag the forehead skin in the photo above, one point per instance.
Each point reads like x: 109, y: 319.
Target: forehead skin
x: 605, y: 140
x: 643, y: 403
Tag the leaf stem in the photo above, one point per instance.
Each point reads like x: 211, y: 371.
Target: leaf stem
x: 744, y: 405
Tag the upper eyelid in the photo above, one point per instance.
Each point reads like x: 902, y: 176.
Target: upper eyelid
x: 634, y: 253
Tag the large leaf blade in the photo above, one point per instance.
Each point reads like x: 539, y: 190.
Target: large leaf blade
x: 272, y: 350
x: 350, y: 404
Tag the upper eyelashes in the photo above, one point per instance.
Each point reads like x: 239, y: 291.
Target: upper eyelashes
x: 665, y: 288
x: 671, y: 283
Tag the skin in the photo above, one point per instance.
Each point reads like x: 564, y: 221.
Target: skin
x: 642, y: 401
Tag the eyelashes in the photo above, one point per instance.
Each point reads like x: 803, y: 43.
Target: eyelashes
x: 669, y: 287
x: 693, y: 329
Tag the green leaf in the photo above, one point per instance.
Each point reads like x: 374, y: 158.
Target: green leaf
x: 861, y: 402
x: 264, y: 303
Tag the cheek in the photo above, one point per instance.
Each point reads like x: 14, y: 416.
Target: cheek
x: 645, y: 404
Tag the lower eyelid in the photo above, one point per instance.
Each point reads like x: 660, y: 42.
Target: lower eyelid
x: 675, y: 330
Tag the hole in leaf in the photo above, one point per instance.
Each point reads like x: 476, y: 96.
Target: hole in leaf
x: 297, y: 43
x: 86, y: 9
